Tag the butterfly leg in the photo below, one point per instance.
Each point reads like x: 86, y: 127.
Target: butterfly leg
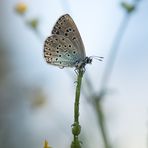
x: 76, y: 71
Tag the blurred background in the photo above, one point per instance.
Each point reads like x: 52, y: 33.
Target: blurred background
x: 36, y: 99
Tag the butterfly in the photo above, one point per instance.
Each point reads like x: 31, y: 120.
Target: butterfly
x: 64, y: 48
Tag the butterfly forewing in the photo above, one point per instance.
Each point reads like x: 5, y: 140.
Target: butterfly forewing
x: 66, y: 27
x: 60, y: 51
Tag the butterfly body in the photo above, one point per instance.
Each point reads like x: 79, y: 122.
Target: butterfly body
x: 64, y: 48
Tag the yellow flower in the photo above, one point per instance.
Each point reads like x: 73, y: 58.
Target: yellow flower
x: 46, y: 145
x: 21, y: 8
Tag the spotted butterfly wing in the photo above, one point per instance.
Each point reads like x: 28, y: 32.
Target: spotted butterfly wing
x: 65, y: 47
x: 60, y: 51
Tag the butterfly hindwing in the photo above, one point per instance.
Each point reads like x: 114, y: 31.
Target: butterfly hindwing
x: 60, y: 51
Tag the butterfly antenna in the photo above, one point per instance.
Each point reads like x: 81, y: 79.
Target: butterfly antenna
x: 97, y: 58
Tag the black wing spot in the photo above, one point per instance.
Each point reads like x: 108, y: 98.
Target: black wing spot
x: 66, y: 34
x: 65, y: 46
x: 69, y: 45
x: 60, y: 55
x: 60, y: 62
x: 56, y: 39
x: 63, y: 39
x: 60, y: 18
x: 59, y: 45
x: 73, y: 30
x: 74, y: 38
x: 57, y: 32
x: 74, y: 52
x: 70, y: 29
x: 50, y: 54
x: 47, y: 41
x: 56, y: 59
x: 57, y: 51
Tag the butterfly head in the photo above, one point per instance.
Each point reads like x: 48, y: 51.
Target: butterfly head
x: 81, y: 64
x: 88, y: 60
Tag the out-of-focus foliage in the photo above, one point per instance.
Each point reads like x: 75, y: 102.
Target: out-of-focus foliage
x: 39, y: 99
x: 4, y: 65
x: 128, y: 7
x: 33, y: 23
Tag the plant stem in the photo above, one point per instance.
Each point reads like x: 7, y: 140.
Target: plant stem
x: 107, y: 74
x: 100, y: 117
x: 76, y: 128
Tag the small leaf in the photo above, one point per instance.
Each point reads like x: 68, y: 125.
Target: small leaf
x: 21, y: 8
x: 128, y: 7
x: 33, y: 23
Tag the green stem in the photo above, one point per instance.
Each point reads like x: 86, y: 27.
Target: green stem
x: 101, y: 121
x: 76, y: 128
x: 107, y: 74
